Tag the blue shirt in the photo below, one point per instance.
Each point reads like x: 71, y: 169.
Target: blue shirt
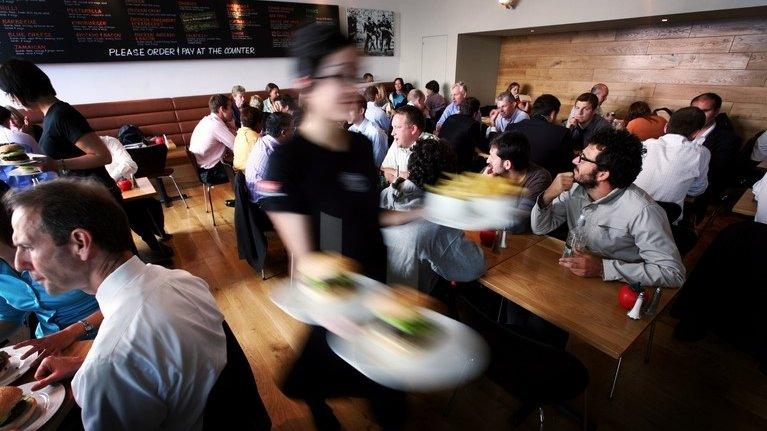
x: 453, y: 109
x: 19, y: 295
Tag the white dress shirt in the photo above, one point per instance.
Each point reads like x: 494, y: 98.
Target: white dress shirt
x: 157, y: 354
x: 501, y: 123
x: 760, y: 149
x: 210, y: 139
x: 760, y: 195
x: 14, y: 136
x: 398, y: 157
x: 377, y: 137
x: 701, y: 138
x: 122, y: 165
x: 378, y: 116
x: 673, y: 168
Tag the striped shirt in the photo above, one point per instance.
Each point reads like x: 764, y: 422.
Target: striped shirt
x: 258, y: 161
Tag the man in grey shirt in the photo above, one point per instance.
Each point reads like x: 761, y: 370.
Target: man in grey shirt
x: 627, y: 235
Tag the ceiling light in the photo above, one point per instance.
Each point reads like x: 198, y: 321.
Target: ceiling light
x: 664, y: 20
x: 508, y: 4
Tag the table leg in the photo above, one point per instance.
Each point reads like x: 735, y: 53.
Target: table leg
x: 158, y: 184
x: 615, y: 378
x: 648, y: 349
x: 500, y: 310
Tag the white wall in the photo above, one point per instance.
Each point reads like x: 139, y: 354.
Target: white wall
x: 451, y: 17
x: 102, y: 82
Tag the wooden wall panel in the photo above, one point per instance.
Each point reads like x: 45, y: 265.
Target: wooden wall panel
x: 664, y: 65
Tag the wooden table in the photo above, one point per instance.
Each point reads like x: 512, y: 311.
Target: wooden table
x: 514, y: 245
x: 144, y: 189
x: 585, y: 307
x: 746, y: 205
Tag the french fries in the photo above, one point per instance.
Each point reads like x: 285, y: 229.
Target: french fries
x: 471, y: 185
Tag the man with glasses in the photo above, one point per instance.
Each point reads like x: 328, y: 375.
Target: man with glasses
x: 627, y: 235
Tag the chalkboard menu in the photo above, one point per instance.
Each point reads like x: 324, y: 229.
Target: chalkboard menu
x: 58, y: 31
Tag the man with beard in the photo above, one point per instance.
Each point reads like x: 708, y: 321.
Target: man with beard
x: 627, y: 236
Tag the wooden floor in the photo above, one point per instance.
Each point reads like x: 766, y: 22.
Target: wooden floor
x: 701, y: 386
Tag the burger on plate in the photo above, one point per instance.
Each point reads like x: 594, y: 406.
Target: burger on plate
x: 400, y: 326
x: 15, y: 407
x: 13, y: 153
x: 327, y: 277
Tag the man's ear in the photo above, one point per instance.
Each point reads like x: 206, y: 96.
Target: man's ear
x: 507, y: 165
x: 81, y: 242
x: 602, y: 175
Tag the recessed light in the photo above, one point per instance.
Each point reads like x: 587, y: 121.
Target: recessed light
x: 532, y: 31
x: 664, y: 20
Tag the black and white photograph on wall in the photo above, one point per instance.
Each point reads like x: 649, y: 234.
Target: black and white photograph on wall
x: 372, y: 30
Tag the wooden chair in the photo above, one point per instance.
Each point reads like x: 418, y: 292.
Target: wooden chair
x: 151, y: 161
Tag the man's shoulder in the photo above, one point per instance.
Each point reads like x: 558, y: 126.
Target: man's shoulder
x: 636, y: 199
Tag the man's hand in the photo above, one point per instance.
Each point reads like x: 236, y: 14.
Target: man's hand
x: 493, y: 115
x: 55, y: 368
x: 562, y: 183
x: 583, y: 264
x: 572, y: 122
x: 52, y: 344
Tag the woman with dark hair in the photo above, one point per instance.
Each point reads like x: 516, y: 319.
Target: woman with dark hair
x: 434, y: 101
x: 272, y: 92
x: 398, y: 97
x: 523, y: 100
x: 72, y: 147
x: 643, y: 124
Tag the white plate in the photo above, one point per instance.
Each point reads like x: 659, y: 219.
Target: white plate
x: 303, y: 308
x: 17, y: 366
x: 474, y: 214
x: 17, y: 173
x: 460, y: 356
x: 49, y: 400
x: 33, y: 158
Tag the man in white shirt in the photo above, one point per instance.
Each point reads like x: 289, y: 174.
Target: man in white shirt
x: 760, y: 195
x: 506, y: 113
x: 213, y: 135
x: 760, y: 148
x: 407, y: 128
x: 369, y: 129
x: 161, y: 346
x: 374, y: 112
x: 8, y: 135
x: 673, y: 165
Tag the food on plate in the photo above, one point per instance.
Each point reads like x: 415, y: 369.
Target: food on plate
x: 13, y: 153
x: 327, y: 277
x: 27, y: 169
x: 400, y: 326
x: 472, y: 185
x: 15, y: 407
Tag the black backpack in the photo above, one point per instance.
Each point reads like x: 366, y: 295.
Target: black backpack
x: 130, y: 134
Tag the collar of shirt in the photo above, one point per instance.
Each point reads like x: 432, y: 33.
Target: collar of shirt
x: 581, y: 193
x: 270, y: 141
x: 702, y: 136
x: 116, y: 281
x: 673, y: 138
x: 359, y: 127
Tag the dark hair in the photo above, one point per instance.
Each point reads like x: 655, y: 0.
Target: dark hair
x: 433, y: 86
x: 686, y: 121
x: 620, y: 154
x: 251, y: 117
x: 469, y: 106
x: 6, y: 231
x: 25, y: 81
x: 639, y: 109
x: 513, y: 146
x: 407, y: 87
x: 401, y: 81
x: 271, y: 86
x: 360, y: 102
x: 589, y: 97
x: 366, y: 74
x: 709, y: 96
x: 371, y: 93
x: 276, y: 123
x: 412, y: 115
x: 312, y: 43
x: 513, y: 84
x: 429, y: 159
x: 5, y: 115
x: 545, y: 104
x: 66, y: 204
x: 217, y: 101
x: 287, y: 100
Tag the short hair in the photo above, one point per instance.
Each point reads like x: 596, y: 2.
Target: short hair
x: 686, y: 121
x: 276, y: 123
x: 371, y: 92
x: 251, y: 117
x: 413, y: 116
x: 383, y: 91
x: 596, y: 88
x: 6, y: 230
x: 462, y: 85
x: 287, y: 100
x: 360, y: 102
x: 66, y: 204
x: 545, y: 104
x: 5, y: 115
x: 26, y: 82
x: 312, y: 43
x: 238, y: 89
x: 217, y: 101
x: 407, y: 87
x: 256, y: 101
x: 469, y: 106
x: 709, y: 96
x: 513, y: 146
x: 366, y: 75
x: 433, y: 86
x: 638, y: 109
x: 589, y: 97
x: 415, y: 94
x: 505, y: 96
x: 15, y: 113
x: 620, y: 154
x: 271, y: 86
x: 428, y: 160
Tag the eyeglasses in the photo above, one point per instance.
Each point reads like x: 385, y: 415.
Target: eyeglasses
x: 580, y: 157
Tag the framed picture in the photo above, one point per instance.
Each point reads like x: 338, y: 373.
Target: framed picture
x: 372, y: 30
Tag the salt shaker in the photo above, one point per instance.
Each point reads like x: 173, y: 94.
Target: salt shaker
x: 653, y: 307
x: 636, y: 312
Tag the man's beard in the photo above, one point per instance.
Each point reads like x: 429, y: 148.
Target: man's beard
x: 586, y: 181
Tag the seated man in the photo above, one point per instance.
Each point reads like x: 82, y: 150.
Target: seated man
x: 721, y: 140
x: 407, y: 128
x: 238, y: 99
x: 161, y: 346
x: 551, y: 145
x: 247, y: 135
x: 627, y: 235
x: 374, y: 112
x: 278, y: 129
x: 459, y: 92
x: 506, y: 113
x: 434, y: 101
x: 11, y: 135
x: 211, y: 139
x: 369, y: 129
x: 674, y: 166
x: 585, y: 121
x: 510, y: 158
x: 286, y: 104
x: 419, y: 252
x: 416, y: 98
x: 464, y: 133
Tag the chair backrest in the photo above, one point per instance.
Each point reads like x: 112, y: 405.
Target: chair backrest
x: 251, y: 224
x: 673, y: 210
x: 663, y: 112
x: 150, y: 160
x: 193, y: 161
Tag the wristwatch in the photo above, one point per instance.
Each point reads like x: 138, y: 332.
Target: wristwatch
x: 89, y: 329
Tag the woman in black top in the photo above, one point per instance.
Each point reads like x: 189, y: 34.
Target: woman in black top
x: 72, y: 147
